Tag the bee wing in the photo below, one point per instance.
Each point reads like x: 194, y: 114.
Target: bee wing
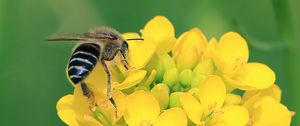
x: 100, y: 36
x: 68, y: 37
x: 80, y: 37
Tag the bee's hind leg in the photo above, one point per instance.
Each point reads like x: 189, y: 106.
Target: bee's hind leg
x: 89, y: 94
x: 108, y: 84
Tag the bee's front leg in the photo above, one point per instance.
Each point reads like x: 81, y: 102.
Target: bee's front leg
x: 124, y: 60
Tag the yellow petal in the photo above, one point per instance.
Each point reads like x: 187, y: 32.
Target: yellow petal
x: 212, y: 93
x: 233, y: 115
x: 65, y: 110
x: 165, y: 45
x: 68, y: 116
x: 179, y: 44
x: 160, y: 29
x: 97, y: 78
x: 141, y: 53
x: 80, y: 102
x: 189, y: 49
x: 89, y: 123
x: 133, y: 78
x: 172, y: 117
x: 192, y: 38
x: 120, y: 100
x: 211, y: 49
x: 142, y: 108
x: 65, y: 102
x: 231, y: 52
x: 187, y: 59
x: 254, y: 76
x: 273, y: 91
x: 266, y: 111
x: 82, y: 108
x: 192, y: 107
x: 147, y: 82
x: 232, y: 99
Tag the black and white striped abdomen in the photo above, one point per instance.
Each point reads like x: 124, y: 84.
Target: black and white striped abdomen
x: 83, y: 61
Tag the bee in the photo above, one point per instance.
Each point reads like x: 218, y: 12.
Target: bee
x: 97, y: 46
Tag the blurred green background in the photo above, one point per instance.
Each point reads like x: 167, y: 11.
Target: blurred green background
x: 32, y: 72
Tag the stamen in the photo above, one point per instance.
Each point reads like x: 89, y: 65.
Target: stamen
x: 87, y: 117
x: 250, y: 123
x: 145, y: 123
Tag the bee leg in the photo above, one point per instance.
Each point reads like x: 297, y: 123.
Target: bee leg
x: 108, y: 84
x: 89, y: 94
x: 124, y: 61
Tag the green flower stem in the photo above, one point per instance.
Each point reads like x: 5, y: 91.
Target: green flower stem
x: 100, y: 117
x: 284, y: 18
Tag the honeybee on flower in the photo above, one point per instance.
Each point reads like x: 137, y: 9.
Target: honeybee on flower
x: 180, y: 82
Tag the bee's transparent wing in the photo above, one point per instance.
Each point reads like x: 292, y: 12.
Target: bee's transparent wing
x: 100, y: 36
x: 80, y: 37
x: 68, y: 37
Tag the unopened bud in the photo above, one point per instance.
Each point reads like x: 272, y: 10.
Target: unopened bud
x: 185, y: 77
x: 205, y: 67
x: 171, y: 77
x: 165, y: 63
x: 161, y: 93
x: 175, y: 99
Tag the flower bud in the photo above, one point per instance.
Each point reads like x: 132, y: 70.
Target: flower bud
x: 194, y: 92
x: 197, y: 80
x: 232, y: 99
x: 177, y: 87
x: 161, y: 93
x: 205, y: 67
x: 171, y: 77
x: 175, y: 99
x: 189, y: 49
x: 185, y: 77
x: 187, y: 59
x: 165, y: 63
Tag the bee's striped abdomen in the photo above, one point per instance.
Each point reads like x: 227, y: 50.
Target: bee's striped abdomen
x: 83, y: 60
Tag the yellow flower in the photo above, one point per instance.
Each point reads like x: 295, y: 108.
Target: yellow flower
x: 143, y: 110
x: 189, y: 49
x: 231, y: 58
x: 74, y: 110
x: 209, y: 110
x: 265, y: 108
x: 162, y: 31
x: 183, y: 82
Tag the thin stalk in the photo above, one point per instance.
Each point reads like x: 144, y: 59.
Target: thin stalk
x: 287, y: 31
x: 100, y: 117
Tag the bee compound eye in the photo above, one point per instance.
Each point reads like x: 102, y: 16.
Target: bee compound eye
x: 125, y: 45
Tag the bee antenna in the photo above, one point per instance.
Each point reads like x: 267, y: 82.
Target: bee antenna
x: 134, y: 39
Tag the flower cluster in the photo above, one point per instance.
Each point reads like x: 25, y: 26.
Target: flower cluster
x: 182, y: 81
